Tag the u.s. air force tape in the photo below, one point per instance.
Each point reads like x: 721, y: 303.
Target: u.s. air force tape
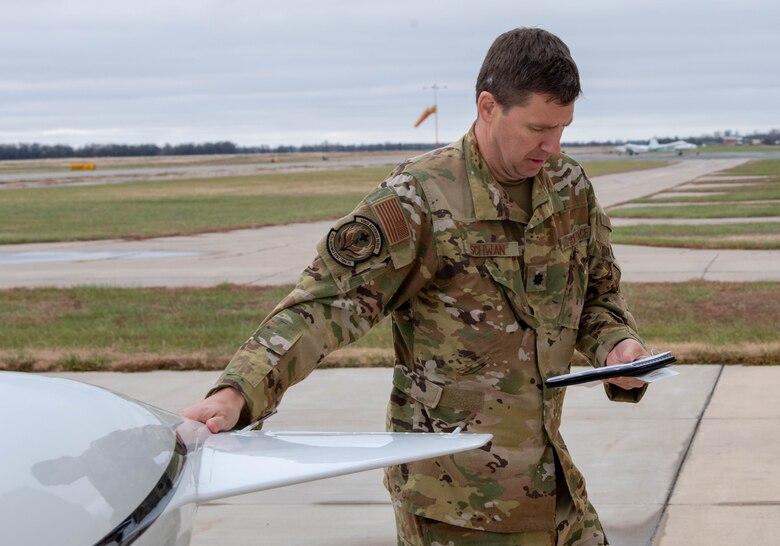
x: 355, y: 241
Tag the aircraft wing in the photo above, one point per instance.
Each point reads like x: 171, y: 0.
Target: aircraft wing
x: 681, y: 145
x: 242, y: 462
x: 632, y: 149
x: 99, y: 468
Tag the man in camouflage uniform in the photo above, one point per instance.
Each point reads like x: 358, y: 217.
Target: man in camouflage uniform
x: 493, y: 258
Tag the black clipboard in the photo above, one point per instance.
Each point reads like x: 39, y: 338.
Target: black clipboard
x: 631, y: 369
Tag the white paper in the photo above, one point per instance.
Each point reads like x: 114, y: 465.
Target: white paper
x: 649, y: 377
x: 657, y: 375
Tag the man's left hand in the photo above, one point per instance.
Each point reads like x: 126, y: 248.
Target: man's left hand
x: 627, y: 350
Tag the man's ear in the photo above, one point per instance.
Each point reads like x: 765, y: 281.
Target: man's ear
x: 487, y: 105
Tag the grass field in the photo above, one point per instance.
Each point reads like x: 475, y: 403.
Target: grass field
x: 746, y: 210
x: 758, y: 236
x: 763, y: 167
x: 740, y: 199
x: 598, y: 168
x: 155, y: 208
x: 197, y: 205
x: 746, y: 192
x: 135, y: 329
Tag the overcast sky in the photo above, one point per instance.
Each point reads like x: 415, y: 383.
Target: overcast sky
x: 356, y: 71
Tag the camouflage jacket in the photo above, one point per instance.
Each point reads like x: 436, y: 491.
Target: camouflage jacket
x: 486, y: 303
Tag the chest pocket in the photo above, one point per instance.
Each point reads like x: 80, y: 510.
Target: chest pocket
x: 507, y: 274
x: 462, y: 319
x: 556, y: 276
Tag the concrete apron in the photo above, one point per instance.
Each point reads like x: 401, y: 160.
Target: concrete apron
x: 630, y: 455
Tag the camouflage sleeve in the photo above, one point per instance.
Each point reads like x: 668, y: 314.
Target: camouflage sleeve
x: 605, y: 319
x: 369, y: 263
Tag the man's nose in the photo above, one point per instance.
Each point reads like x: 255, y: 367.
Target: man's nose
x: 551, y: 144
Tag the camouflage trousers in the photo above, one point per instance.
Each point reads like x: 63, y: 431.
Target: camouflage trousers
x: 571, y: 530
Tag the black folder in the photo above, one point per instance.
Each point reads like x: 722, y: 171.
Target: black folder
x: 631, y: 369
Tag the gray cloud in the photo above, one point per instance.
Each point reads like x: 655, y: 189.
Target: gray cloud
x: 260, y: 72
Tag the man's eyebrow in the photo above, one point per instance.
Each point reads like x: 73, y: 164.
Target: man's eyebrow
x: 546, y: 126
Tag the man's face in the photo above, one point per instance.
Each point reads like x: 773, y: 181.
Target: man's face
x: 517, y: 141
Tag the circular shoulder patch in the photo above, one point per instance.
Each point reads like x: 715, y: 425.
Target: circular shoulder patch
x: 355, y: 241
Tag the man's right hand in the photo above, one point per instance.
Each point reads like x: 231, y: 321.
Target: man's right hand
x: 219, y: 412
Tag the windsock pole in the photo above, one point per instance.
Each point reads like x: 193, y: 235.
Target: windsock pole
x: 436, y: 88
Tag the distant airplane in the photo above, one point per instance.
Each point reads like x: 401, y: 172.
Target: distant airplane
x: 678, y: 146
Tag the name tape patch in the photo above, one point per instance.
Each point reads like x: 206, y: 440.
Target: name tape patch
x: 571, y: 239
x: 506, y: 248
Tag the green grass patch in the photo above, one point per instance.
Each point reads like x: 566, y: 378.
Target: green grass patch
x: 196, y: 205
x: 755, y: 192
x: 760, y: 236
x: 709, y: 322
x: 72, y: 362
x: 713, y: 313
x: 148, y: 218
x: 599, y: 168
x: 91, y: 328
x: 731, y: 210
x: 147, y: 209
x: 132, y: 320
x: 745, y: 148
x: 744, y: 183
x: 758, y: 167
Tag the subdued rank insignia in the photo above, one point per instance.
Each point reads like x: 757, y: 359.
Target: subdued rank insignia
x: 537, y: 278
x: 354, y: 242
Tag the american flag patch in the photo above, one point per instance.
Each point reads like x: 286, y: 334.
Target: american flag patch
x: 392, y: 219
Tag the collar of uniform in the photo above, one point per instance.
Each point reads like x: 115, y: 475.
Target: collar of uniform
x: 491, y: 202
x: 544, y: 199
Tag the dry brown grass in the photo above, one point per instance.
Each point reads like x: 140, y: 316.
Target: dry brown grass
x: 49, y: 361
x: 113, y: 361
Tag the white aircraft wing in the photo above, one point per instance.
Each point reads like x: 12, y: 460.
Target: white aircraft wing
x: 242, y: 462
x: 681, y: 145
x: 99, y: 468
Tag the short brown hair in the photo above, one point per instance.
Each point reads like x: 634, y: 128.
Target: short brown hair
x: 529, y: 60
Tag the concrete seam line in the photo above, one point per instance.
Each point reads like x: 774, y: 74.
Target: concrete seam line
x: 684, y: 458
x: 707, y: 269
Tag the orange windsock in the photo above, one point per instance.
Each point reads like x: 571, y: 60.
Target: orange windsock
x: 427, y: 112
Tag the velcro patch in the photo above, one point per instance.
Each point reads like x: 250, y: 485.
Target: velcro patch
x: 506, y: 248
x: 354, y: 242
x: 571, y: 239
x: 392, y: 220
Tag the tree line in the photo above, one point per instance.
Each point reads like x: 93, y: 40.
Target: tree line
x: 63, y: 151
